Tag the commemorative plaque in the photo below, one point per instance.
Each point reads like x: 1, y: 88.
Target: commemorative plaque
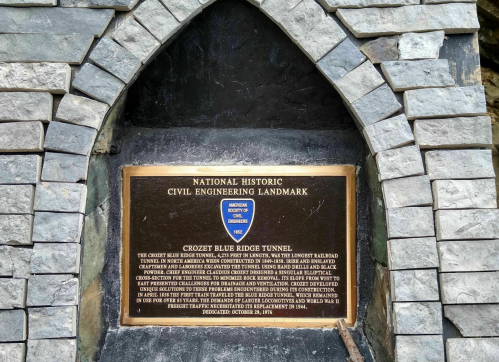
x: 238, y: 246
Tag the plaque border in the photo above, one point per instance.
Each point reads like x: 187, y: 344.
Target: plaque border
x: 281, y: 322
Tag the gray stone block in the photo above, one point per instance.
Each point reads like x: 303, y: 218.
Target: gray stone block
x: 416, y: 253
x: 399, y: 162
x: 20, y: 169
x: 16, y: 199
x: 302, y: 18
x: 390, y: 133
x: 411, y: 74
x: 115, y: 59
x: 60, y: 197
x: 276, y: 9
x: 459, y: 164
x: 469, y: 288
x: 16, y: 229
x: 206, y: 3
x: 153, y: 16
x: 183, y: 10
x: 340, y: 60
x: 371, y: 22
x: 57, y: 227
x: 381, y: 49
x: 472, y: 349
x: 469, y: 255
x: 408, y: 191
x: 51, y: 350
x: 467, y: 224
x: 120, y: 5
x: 70, y: 138
x: 417, y: 318
x: 6, y: 263
x: 465, y: 194
x: 413, y: 46
x: 52, y: 322
x: 52, y: 290
x: 63, y: 167
x: 54, y: 20
x: 414, y: 285
x: 12, y: 352
x: 480, y: 320
x: 375, y: 106
x: 21, y: 262
x: 453, y: 132
x: 427, y: 2
x: 21, y: 137
x: 81, y: 111
x: 98, y: 84
x: 131, y: 35
x: 410, y: 222
x: 359, y: 82
x: 25, y: 106
x: 12, y: 293
x: 16, y: 320
x: 55, y: 258
x: 40, y: 77
x: 419, y: 349
x: 333, y: 5
x: 26, y: 3
x: 445, y: 102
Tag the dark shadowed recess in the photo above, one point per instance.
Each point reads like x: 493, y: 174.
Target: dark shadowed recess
x: 233, y: 67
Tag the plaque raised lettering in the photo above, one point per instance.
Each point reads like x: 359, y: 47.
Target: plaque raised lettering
x: 268, y: 246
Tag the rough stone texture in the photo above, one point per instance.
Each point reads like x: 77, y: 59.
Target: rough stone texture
x: 411, y: 74
x: 417, y: 318
x: 414, y: 285
x: 465, y: 194
x: 472, y: 350
x: 155, y: 18
x: 25, y: 106
x: 41, y: 77
x: 54, y: 21
x: 21, y: 262
x: 52, y: 322
x: 390, y: 133
x: 21, y: 137
x: 459, y: 164
x: 52, y: 290
x: 474, y: 320
x: 412, y: 253
x: 445, y: 102
x: 98, y: 84
x: 469, y: 288
x: 371, y: 22
x: 276, y: 9
x: 183, y: 10
x: 55, y: 258
x: 408, y: 191
x: 381, y: 49
x: 121, y: 5
x: 339, y: 61
x: 70, y: 138
x: 16, y: 320
x: 27, y: 3
x: 16, y: 229
x: 206, y: 3
x: 359, y: 82
x: 419, y: 349
x: 5, y: 261
x: 62, y: 167
x: 399, y: 162
x: 12, y: 293
x: 20, y: 169
x: 60, y: 197
x: 410, y: 222
x: 428, y: 2
x: 81, y: 111
x: 469, y: 256
x: 16, y: 199
x: 333, y: 5
x: 453, y: 132
x: 115, y: 59
x: 57, y: 227
x: 467, y: 224
x: 12, y: 352
x: 375, y: 106
x: 51, y: 350
x: 414, y: 46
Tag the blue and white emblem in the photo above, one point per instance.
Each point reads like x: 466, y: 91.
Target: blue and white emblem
x: 237, y: 216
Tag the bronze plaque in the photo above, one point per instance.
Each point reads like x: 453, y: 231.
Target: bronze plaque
x: 269, y: 246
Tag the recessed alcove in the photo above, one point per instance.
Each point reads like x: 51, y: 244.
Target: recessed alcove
x: 231, y: 89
